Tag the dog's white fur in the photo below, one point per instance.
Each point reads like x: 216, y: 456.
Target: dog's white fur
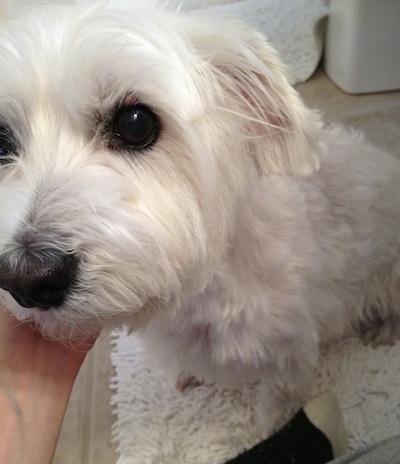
x: 246, y: 236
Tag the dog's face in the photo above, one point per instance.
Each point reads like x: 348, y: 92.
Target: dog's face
x: 128, y: 139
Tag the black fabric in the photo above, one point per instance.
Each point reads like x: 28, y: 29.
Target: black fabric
x: 299, y: 442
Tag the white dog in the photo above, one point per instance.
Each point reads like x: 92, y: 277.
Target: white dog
x: 158, y: 171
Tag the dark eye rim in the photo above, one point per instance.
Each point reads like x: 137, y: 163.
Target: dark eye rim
x: 117, y: 140
x: 11, y: 145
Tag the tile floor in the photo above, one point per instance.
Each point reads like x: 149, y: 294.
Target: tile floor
x: 86, y: 436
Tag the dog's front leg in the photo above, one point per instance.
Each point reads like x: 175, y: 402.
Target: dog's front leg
x: 284, y: 390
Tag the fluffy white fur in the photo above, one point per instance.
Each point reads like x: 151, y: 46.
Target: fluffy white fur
x: 245, y: 237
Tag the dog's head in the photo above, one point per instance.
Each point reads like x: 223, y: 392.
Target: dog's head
x: 128, y: 138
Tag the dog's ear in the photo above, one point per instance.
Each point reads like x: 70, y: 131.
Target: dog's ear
x: 282, y: 132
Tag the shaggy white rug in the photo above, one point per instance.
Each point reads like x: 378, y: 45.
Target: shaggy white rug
x: 155, y: 424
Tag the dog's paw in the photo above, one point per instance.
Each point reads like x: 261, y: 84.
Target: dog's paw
x: 186, y: 381
x: 378, y: 331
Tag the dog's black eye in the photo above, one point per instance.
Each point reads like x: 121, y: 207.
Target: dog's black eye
x: 136, y: 126
x: 8, y: 145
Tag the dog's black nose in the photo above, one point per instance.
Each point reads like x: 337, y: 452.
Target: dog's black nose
x: 41, y: 281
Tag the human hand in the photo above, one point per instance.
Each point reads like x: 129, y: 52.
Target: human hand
x: 26, y: 355
x: 36, y: 379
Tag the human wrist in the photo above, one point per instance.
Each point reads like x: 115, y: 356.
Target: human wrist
x: 33, y: 426
x: 34, y: 404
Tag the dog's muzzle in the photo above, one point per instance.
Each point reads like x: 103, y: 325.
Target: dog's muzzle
x: 41, y: 281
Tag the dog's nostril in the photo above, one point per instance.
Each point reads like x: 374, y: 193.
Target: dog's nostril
x: 40, y: 281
